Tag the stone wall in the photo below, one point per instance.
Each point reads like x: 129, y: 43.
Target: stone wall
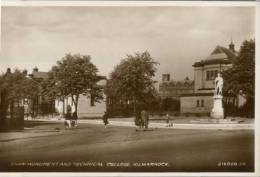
x: 196, y: 104
x: 85, y: 109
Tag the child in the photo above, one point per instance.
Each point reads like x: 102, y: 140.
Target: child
x: 105, y: 119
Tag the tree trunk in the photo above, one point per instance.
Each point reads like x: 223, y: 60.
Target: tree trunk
x: 75, y: 101
x: 63, y: 107
x: 134, y: 106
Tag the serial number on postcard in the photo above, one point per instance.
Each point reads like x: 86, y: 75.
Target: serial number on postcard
x: 231, y: 164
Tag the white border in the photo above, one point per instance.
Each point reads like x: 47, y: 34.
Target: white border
x: 158, y: 3
x: 125, y: 3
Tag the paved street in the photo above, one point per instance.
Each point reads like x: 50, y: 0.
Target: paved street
x: 47, y: 146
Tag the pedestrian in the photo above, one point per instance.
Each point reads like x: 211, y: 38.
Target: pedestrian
x: 105, y: 119
x: 138, y: 120
x: 167, y: 120
x: 75, y: 119
x: 68, y: 117
x: 145, y: 118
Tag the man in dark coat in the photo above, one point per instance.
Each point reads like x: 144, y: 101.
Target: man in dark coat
x: 74, y: 119
x: 68, y: 117
x: 145, y: 118
x: 105, y: 119
x: 138, y: 120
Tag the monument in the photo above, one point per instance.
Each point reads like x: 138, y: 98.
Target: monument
x: 217, y: 110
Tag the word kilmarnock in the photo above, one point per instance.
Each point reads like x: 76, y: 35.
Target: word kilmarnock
x: 85, y: 165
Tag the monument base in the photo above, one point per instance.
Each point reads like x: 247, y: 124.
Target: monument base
x: 217, y: 110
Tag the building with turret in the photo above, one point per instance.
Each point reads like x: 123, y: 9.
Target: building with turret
x: 205, y: 71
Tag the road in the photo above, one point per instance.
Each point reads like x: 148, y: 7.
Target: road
x: 49, y: 147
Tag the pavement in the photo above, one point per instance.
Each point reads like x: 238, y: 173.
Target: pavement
x: 240, y: 124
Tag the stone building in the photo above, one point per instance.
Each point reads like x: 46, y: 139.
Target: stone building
x: 174, y: 89
x: 86, y: 106
x: 205, y: 71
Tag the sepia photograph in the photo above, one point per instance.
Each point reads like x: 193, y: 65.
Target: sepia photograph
x: 127, y: 88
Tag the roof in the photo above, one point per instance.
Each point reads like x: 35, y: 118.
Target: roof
x: 204, y: 94
x: 39, y: 75
x: 102, y: 82
x: 183, y: 83
x: 220, y: 55
x: 197, y: 94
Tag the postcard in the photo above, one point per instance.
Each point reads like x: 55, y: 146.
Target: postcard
x: 129, y: 88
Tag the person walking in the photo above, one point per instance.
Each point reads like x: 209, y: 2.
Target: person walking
x: 68, y: 117
x: 105, y: 119
x: 167, y: 120
x: 138, y: 121
x: 145, y: 118
x: 75, y: 119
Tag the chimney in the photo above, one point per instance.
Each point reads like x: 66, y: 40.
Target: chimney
x: 35, y: 69
x: 8, y: 71
x: 25, y: 72
x: 232, y: 46
x: 165, y: 77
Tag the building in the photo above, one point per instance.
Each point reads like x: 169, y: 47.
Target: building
x: 40, y: 105
x: 86, y: 106
x: 174, y: 89
x: 205, y: 71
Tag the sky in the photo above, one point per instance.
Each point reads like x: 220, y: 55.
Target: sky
x: 175, y: 36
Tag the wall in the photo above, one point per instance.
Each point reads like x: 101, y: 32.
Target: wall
x: 84, y: 107
x: 198, y: 78
x: 86, y: 110
x: 189, y: 104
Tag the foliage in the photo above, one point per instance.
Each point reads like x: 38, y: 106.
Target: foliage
x: 71, y: 76
x: 240, y: 79
x: 132, y: 79
x: 18, y: 86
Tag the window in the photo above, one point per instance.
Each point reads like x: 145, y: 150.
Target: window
x: 212, y: 74
x: 216, y: 73
x: 208, y: 76
x: 202, y: 103
x: 198, y: 103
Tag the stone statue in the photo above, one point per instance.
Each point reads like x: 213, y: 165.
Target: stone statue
x: 217, y: 110
x: 218, y: 85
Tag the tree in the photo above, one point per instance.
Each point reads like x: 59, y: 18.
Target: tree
x: 241, y: 77
x: 71, y: 76
x: 131, y: 80
x: 14, y: 87
x: 18, y: 86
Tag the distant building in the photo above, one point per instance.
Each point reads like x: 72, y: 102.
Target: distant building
x: 86, y: 106
x: 205, y: 71
x: 40, y: 105
x: 165, y: 77
x: 174, y: 89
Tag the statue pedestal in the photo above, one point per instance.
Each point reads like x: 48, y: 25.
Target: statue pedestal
x: 217, y: 110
